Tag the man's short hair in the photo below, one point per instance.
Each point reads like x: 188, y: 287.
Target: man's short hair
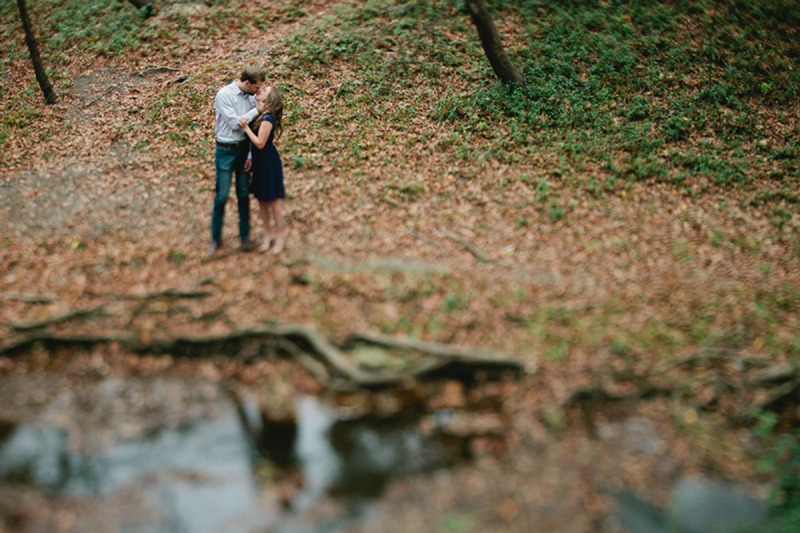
x: 253, y: 75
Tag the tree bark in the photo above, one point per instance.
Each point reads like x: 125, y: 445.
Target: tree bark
x: 492, y: 45
x: 30, y: 39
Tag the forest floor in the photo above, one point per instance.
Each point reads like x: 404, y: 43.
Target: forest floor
x: 643, y: 304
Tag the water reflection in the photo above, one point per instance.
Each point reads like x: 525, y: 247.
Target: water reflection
x: 205, y: 477
x: 200, y: 478
x: 34, y: 454
x: 319, y: 462
x: 195, y: 479
x: 356, y: 458
x: 699, y: 505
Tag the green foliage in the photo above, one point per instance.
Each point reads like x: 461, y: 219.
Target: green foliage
x: 783, y: 461
x: 615, y: 77
x: 631, y: 85
x: 177, y: 258
x: 615, y: 82
x: 457, y: 523
x: 21, y: 114
x: 103, y: 27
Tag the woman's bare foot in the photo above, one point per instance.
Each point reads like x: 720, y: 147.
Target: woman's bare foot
x: 266, y: 244
x: 278, y: 248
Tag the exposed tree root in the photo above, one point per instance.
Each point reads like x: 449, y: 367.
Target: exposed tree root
x: 18, y: 326
x: 443, y: 354
x: 31, y: 298
x: 745, y: 361
x: 775, y: 375
x: 779, y: 395
x: 326, y: 362
x: 726, y: 384
x: 15, y: 346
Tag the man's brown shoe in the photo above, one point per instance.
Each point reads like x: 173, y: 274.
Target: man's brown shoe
x: 248, y: 245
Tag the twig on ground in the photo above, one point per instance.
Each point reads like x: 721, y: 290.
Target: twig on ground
x: 714, y: 355
x: 167, y: 293
x: 260, y: 51
x: 156, y: 68
x: 31, y: 298
x: 391, y: 202
x: 466, y: 244
x: 424, y: 238
x: 105, y: 93
x: 643, y: 137
x: 219, y: 255
x: 179, y: 79
x: 349, y: 138
x: 520, y: 206
x: 480, y: 256
x: 170, y: 293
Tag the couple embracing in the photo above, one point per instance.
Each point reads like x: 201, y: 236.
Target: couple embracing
x: 249, y: 118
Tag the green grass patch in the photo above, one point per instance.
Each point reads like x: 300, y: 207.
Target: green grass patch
x: 669, y: 92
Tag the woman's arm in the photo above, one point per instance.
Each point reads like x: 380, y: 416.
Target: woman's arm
x: 263, y: 132
x: 245, y: 125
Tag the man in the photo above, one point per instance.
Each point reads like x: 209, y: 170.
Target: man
x: 231, y: 154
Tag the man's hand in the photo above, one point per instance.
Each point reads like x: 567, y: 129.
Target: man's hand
x: 247, y: 165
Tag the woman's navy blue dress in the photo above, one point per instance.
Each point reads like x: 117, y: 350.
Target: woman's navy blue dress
x: 267, y: 184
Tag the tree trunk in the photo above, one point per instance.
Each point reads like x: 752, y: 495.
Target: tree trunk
x: 492, y: 45
x: 147, y: 7
x: 30, y: 39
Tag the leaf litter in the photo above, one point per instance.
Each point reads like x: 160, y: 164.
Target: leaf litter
x: 112, y: 202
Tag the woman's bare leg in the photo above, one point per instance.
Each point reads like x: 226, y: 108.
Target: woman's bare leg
x: 265, y: 211
x: 277, y: 213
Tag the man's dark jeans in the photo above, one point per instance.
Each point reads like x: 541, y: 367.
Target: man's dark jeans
x: 230, y: 162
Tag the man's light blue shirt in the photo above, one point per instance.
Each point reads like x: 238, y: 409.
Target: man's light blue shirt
x: 230, y: 104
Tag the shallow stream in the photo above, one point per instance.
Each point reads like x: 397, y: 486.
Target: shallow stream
x: 235, y: 471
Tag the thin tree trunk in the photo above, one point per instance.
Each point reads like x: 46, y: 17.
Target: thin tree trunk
x: 30, y: 39
x: 492, y: 45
